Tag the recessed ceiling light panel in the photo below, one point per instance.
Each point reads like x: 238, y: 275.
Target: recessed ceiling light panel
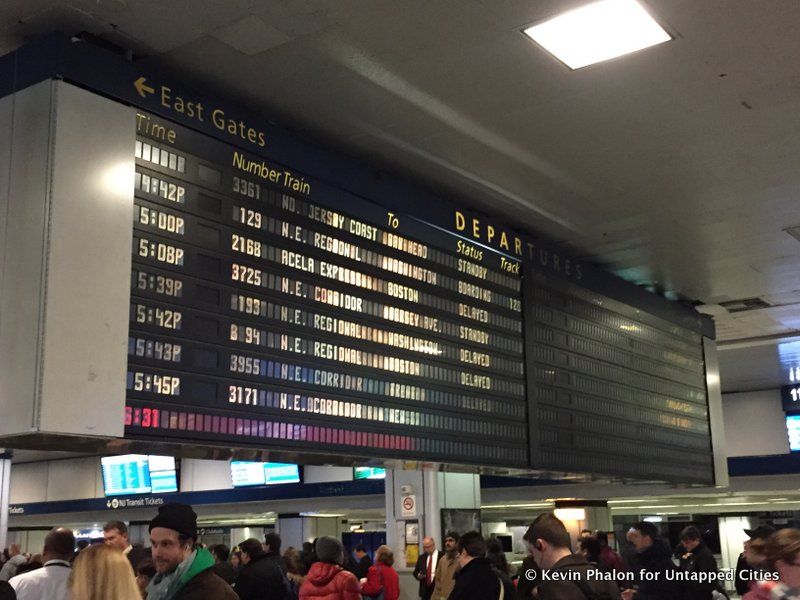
x: 597, y: 32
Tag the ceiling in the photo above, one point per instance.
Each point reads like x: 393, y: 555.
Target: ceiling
x: 675, y: 167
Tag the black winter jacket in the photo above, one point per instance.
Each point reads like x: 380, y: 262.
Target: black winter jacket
x: 570, y: 590
x: 528, y: 577
x: 476, y: 581
x: 261, y: 579
x: 699, y: 560
x: 655, y: 559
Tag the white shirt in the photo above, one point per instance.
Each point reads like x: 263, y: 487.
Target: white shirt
x: 434, y: 558
x: 434, y: 562
x: 47, y: 583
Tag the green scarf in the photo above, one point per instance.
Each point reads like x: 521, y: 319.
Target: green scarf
x: 167, y: 586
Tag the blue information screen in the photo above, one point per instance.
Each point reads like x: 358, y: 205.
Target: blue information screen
x: 369, y: 473
x: 793, y: 427
x: 246, y: 473
x: 131, y: 474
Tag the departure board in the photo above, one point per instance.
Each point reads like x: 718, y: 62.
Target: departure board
x: 270, y: 310
x: 614, y: 390
x: 285, y: 297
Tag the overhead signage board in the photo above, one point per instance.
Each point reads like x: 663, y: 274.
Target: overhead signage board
x: 613, y: 389
x: 283, y: 297
x: 268, y: 306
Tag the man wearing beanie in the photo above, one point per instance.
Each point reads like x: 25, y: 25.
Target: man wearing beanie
x: 444, y: 580
x: 327, y: 580
x: 183, y: 572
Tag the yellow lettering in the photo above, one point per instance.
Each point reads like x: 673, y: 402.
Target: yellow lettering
x: 165, y: 97
x: 461, y: 223
x: 504, y: 241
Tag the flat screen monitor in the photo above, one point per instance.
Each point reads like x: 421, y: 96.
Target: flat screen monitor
x: 132, y: 474
x: 793, y: 427
x: 369, y: 473
x: 246, y: 473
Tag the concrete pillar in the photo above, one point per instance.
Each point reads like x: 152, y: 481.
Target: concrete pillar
x: 426, y: 503
x: 139, y: 534
x: 240, y: 534
x: 294, y: 529
x: 5, y: 493
x: 290, y: 528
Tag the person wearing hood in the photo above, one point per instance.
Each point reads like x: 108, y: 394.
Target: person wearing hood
x: 653, y: 556
x: 444, y: 579
x: 326, y: 579
x: 548, y: 542
x: 261, y: 577
x: 183, y: 571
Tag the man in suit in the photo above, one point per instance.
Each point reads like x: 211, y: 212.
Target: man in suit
x: 425, y: 570
x: 115, y: 534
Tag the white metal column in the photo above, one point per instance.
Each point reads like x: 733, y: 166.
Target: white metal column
x: 5, y: 493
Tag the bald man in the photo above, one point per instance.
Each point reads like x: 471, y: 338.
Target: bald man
x: 50, y: 581
x: 426, y: 567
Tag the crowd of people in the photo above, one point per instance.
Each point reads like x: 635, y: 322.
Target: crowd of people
x: 176, y: 567
x: 471, y: 567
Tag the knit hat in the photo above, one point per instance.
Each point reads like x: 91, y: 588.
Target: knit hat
x: 178, y: 517
x: 330, y: 550
x: 762, y: 532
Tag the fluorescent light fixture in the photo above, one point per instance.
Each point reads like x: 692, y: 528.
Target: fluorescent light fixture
x: 655, y: 519
x: 570, y: 514
x: 539, y: 505
x: 597, y: 32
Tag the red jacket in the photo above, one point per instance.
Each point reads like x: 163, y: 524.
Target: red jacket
x: 379, y: 577
x: 329, y: 582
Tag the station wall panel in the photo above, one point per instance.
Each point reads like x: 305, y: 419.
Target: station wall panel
x: 755, y: 424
